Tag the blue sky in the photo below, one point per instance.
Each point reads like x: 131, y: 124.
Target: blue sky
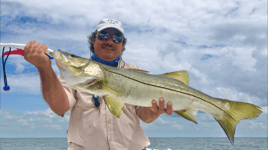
x: 222, y: 45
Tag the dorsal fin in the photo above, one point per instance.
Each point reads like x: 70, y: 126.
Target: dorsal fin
x: 179, y: 75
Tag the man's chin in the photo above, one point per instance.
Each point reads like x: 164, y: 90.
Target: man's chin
x: 107, y: 58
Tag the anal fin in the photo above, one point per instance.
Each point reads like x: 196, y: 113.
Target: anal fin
x: 188, y: 114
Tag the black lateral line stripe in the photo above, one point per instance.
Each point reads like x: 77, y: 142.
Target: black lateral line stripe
x: 169, y: 89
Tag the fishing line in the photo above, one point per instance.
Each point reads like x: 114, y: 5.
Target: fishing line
x: 6, y: 87
x: 18, y: 51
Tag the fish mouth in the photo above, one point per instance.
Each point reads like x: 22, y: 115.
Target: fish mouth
x: 61, y: 60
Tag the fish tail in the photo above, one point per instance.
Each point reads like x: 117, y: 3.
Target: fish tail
x: 237, y: 112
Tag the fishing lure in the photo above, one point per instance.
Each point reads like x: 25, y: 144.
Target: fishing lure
x: 18, y: 51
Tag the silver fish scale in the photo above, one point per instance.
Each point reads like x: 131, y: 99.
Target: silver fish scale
x: 139, y: 89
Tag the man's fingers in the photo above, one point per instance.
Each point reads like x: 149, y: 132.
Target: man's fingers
x: 42, y: 48
x: 26, y: 48
x: 160, y: 109
x: 45, y: 48
x: 39, y: 48
x: 29, y: 50
x: 169, y: 109
x: 32, y: 47
x: 161, y: 105
x: 154, y: 106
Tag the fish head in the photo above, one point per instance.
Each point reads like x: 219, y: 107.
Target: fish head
x: 76, y: 70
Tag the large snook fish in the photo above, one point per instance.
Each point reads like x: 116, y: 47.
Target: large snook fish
x: 137, y: 87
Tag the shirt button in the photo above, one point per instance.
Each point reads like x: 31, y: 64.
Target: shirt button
x: 110, y: 140
x: 109, y: 120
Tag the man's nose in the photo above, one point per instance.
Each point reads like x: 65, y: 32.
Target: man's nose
x: 110, y: 39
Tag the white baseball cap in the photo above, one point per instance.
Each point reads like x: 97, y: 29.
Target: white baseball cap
x: 110, y: 23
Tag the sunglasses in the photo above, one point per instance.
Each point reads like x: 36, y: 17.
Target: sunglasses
x: 117, y: 38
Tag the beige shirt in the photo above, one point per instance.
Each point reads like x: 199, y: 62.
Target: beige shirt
x: 96, y: 128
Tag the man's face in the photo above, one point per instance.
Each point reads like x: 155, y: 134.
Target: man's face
x: 107, y: 50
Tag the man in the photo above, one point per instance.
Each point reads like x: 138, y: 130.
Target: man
x: 91, y: 125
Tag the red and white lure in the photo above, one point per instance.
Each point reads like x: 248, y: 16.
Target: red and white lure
x: 18, y: 51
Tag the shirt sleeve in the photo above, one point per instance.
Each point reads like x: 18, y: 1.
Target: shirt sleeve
x: 69, y: 91
x: 138, y: 110
x: 133, y: 109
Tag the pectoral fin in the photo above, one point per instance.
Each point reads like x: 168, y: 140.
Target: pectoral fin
x: 114, y: 105
x: 105, y: 87
x: 188, y: 114
x: 179, y: 75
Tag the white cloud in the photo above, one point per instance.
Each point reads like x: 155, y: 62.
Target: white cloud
x: 162, y: 123
x: 177, y: 126
x: 265, y: 109
x: 8, y: 117
x: 23, y: 122
x: 34, y: 123
x: 28, y: 83
x: 258, y: 125
x: 19, y: 68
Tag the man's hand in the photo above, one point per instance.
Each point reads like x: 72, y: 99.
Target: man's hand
x: 149, y: 114
x: 35, y: 54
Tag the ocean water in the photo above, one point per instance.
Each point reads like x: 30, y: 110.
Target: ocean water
x: 156, y: 144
